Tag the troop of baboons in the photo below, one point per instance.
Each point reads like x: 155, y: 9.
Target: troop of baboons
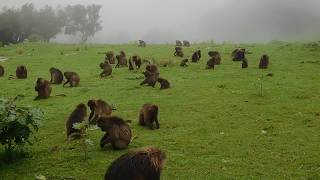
x: 144, y: 163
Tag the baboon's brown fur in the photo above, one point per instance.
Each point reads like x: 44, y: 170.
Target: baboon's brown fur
x: 264, y: 62
x: 178, y: 52
x: 141, y: 164
x: 110, y: 57
x: 238, y: 54
x: 99, y: 108
x: 106, y: 69
x: 216, y: 55
x: 72, y: 78
x: 196, y: 56
x: 21, y: 72
x: 122, y: 60
x: 184, y: 63
x: 56, y: 76
x: 43, y: 88
x: 151, y: 75
x: 135, y: 62
x: 1, y: 71
x: 244, y: 63
x: 77, y: 116
x: 148, y: 115
x: 164, y: 83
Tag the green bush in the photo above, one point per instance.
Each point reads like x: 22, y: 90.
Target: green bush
x: 17, y: 124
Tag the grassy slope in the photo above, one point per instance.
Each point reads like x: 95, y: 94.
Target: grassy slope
x: 207, y: 132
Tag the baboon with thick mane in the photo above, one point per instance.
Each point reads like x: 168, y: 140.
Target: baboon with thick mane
x: 56, y: 76
x: 106, y: 69
x: 142, y: 164
x: 77, y: 116
x: 122, y: 60
x: 216, y: 56
x: 148, y: 115
x: 99, y: 108
x: 72, y: 78
x: 43, y: 88
x: 21, y: 72
x: 110, y: 57
x: 118, y: 132
x: 178, y: 52
x: 196, y: 56
x: 264, y: 62
x: 211, y: 63
x: 238, y: 54
x: 151, y: 75
x: 164, y: 83
x: 135, y: 62
x: 1, y: 71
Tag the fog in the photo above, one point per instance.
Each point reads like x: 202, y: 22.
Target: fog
x: 164, y: 21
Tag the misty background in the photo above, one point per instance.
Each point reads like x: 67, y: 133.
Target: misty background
x: 164, y: 21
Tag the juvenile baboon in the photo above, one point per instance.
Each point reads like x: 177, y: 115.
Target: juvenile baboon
x: 99, y: 108
x: 264, y: 62
x: 196, y: 56
x: 21, y: 72
x: 178, y: 43
x: 110, y: 57
x: 56, y: 76
x: 43, y: 88
x: 216, y: 55
x: 244, y: 63
x: 106, y: 69
x: 118, y: 132
x: 210, y: 63
x: 1, y: 71
x: 186, y: 43
x: 135, y: 62
x: 164, y: 83
x: 148, y: 115
x: 151, y: 75
x: 184, y: 63
x: 72, y: 78
x: 142, y: 43
x: 77, y: 116
x: 142, y: 164
x: 178, y: 52
x: 238, y: 54
x: 122, y: 60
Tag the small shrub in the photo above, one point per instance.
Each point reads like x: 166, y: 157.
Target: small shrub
x: 84, y: 140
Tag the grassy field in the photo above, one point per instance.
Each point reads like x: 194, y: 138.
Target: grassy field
x: 214, y: 124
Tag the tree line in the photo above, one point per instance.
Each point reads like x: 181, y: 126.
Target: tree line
x: 45, y: 23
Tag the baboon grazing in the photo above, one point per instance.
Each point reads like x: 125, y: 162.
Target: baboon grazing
x: 244, y: 63
x: 216, y: 55
x: 148, y: 115
x: 238, y: 54
x: 186, y: 43
x: 135, y: 62
x: 196, y: 56
x: 77, y: 116
x: 178, y: 43
x: 142, y: 43
x: 106, y: 69
x: 164, y: 83
x: 122, y: 60
x: 43, y: 88
x: 264, y: 62
x: 72, y: 78
x: 99, y: 108
x: 21, y: 72
x: 1, y: 71
x: 184, y: 63
x: 210, y: 63
x: 178, y: 52
x: 151, y: 75
x: 110, y: 57
x: 56, y: 76
x: 142, y: 164
x: 118, y: 132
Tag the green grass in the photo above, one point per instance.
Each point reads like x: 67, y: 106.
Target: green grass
x: 213, y: 124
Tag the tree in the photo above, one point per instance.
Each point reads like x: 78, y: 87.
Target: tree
x: 84, y: 20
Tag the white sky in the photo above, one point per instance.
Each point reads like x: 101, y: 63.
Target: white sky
x: 160, y: 21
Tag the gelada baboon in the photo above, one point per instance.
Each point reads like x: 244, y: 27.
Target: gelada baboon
x: 118, y: 132
x: 1, y: 71
x: 238, y: 54
x: 210, y: 63
x: 178, y: 43
x: 196, y: 56
x: 186, y: 43
x: 110, y: 57
x: 99, y: 108
x: 151, y: 75
x: 56, y: 76
x: 135, y: 62
x: 43, y: 88
x: 106, y: 69
x: 178, y: 52
x: 72, y: 78
x: 142, y: 164
x: 77, y: 116
x: 148, y: 115
x: 264, y: 62
x: 244, y: 63
x: 21, y: 72
x: 142, y: 43
x: 216, y: 55
x: 122, y: 60
x: 164, y: 83
x: 184, y: 63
